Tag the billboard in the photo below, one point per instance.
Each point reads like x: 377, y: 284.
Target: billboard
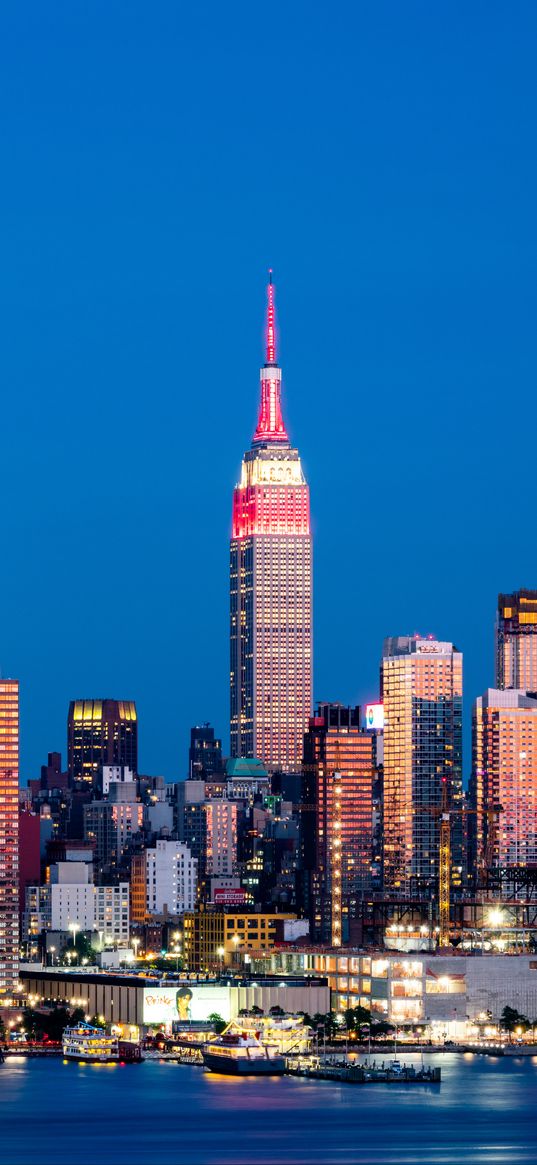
x: 184, y: 1001
x: 374, y: 716
x: 229, y: 897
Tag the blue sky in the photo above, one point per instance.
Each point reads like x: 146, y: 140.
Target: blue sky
x: 156, y: 160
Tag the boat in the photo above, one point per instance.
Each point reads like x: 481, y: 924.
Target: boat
x: 91, y: 1045
x: 238, y: 1054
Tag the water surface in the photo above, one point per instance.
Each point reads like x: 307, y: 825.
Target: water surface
x: 58, y: 1113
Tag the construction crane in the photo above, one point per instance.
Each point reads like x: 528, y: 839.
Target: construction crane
x: 444, y: 854
x: 335, y: 854
x: 444, y: 871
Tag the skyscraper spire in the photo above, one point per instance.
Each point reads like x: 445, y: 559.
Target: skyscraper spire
x: 271, y: 330
x: 270, y: 426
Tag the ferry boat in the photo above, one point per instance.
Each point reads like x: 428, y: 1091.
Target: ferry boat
x: 237, y: 1054
x: 91, y: 1045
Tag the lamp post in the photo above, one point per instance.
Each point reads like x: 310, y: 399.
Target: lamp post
x: 73, y: 927
x: 136, y: 944
x: 221, y: 952
x: 52, y: 951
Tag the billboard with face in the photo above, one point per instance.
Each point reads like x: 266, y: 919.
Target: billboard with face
x: 184, y: 1001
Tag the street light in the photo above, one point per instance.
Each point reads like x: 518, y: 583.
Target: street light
x: 52, y: 952
x: 221, y: 952
x: 136, y: 944
x: 73, y: 927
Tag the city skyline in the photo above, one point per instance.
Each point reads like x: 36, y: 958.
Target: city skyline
x: 398, y: 214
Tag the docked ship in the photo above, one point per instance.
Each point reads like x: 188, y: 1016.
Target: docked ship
x: 91, y: 1045
x: 238, y: 1054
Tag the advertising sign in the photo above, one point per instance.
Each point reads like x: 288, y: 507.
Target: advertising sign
x: 374, y: 716
x: 230, y: 897
x: 184, y: 1001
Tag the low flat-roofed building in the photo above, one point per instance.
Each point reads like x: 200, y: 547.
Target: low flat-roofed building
x: 144, y: 1002
x: 444, y: 992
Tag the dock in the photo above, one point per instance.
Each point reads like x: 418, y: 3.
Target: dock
x: 352, y: 1073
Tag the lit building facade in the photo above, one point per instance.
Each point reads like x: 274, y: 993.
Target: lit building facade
x: 516, y: 641
x: 110, y: 827
x: 214, y: 938
x: 9, y: 834
x: 336, y: 820
x: 100, y: 732
x: 270, y: 587
x: 504, y: 779
x: 220, y: 838
x: 422, y: 692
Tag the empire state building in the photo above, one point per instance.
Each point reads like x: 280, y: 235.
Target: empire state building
x: 271, y: 586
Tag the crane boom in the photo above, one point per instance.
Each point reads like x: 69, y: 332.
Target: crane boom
x: 335, y: 854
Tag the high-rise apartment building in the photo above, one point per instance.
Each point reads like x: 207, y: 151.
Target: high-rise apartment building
x: 9, y: 834
x: 100, y: 732
x: 337, y: 799
x: 422, y: 692
x: 516, y: 641
x: 504, y: 779
x: 171, y: 878
x: 270, y: 587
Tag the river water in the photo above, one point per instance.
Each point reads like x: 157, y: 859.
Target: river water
x: 58, y: 1113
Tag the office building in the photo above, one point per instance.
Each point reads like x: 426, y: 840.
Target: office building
x: 336, y: 831
x: 213, y: 939
x: 100, y: 732
x: 9, y: 834
x: 246, y: 780
x: 504, y: 779
x: 270, y: 587
x: 111, y: 827
x: 516, y: 641
x: 422, y: 693
x: 171, y: 878
x: 204, y: 754
x: 220, y: 838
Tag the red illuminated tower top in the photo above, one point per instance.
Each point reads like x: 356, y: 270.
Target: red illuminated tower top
x: 270, y: 425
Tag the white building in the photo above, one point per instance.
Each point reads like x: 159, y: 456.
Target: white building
x: 71, y: 900
x: 112, y: 917
x: 118, y: 774
x: 171, y: 878
x: 72, y: 896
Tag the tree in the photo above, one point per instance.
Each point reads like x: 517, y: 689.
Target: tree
x: 218, y: 1023
x: 97, y: 1021
x: 31, y: 1024
x: 357, y: 1017
x: 511, y: 1020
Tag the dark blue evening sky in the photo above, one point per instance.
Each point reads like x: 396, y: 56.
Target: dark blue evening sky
x: 156, y: 159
